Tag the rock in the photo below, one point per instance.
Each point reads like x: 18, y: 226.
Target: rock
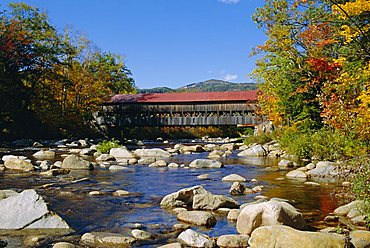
x: 266, y: 214
x: 311, y: 183
x: 199, y: 218
x: 179, y: 210
x: 284, y: 236
x: 182, y: 198
x: 233, y: 178
x: 346, y: 184
x: 285, y: 164
x: 172, y: 245
x: 194, y: 239
x: 121, y: 152
x: 87, y: 152
x: 117, y: 168
x: 28, y: 210
x: 146, y: 160
x: 256, y: 150
x: 345, y: 209
x: 73, y: 162
x: 196, y: 148
x: 95, y: 192
x: 154, y: 152
x: 107, y: 239
x: 296, y: 174
x: 310, y: 166
x: 322, y: 171
x: 197, y: 198
x: 5, y: 193
x: 161, y: 163
x: 215, y: 154
x: 3, y: 243
x: 173, y: 165
x: 205, y: 163
x: 121, y: 193
x: 258, y: 188
x: 105, y: 157
x: 180, y: 227
x: 7, y: 157
x: 44, y: 154
x: 64, y: 245
x: 229, y: 146
x: 360, y: 238
x: 45, y: 165
x: 233, y: 214
x: 37, y: 145
x: 237, y: 189
x: 18, y: 164
x: 233, y: 241
x: 203, y: 177
x: 54, y: 172
x: 58, y: 164
x: 323, y: 164
x: 209, y: 201
x: 140, y: 234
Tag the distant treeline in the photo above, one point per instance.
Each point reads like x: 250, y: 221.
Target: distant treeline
x: 51, y: 82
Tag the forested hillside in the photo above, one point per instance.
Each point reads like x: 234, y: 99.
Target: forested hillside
x: 206, y: 86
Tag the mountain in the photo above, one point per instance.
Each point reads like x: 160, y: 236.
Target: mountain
x: 206, y: 86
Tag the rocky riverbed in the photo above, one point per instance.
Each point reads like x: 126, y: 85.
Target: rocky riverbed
x: 206, y: 193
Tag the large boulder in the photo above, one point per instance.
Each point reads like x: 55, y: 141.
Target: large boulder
x: 121, y: 152
x: 197, y: 198
x: 360, y: 238
x: 199, y: 218
x: 182, y: 198
x: 18, y: 164
x: 194, y: 239
x: 28, y: 210
x: 73, y: 162
x: 233, y: 241
x: 154, y: 152
x: 209, y: 201
x: 104, y: 239
x: 323, y: 170
x: 256, y: 150
x: 47, y: 154
x: 267, y: 214
x: 205, y: 163
x: 284, y: 236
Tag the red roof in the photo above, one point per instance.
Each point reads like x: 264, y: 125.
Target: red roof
x: 226, y: 96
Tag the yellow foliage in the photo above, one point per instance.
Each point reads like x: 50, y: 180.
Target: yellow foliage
x: 351, y: 8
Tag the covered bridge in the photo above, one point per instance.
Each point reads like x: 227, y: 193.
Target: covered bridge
x: 236, y: 108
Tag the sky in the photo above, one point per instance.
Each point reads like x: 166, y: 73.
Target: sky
x: 168, y: 43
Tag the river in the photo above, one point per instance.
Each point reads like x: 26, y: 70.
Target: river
x: 148, y: 185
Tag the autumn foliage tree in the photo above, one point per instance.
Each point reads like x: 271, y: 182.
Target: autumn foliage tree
x: 48, y: 79
x: 314, y: 65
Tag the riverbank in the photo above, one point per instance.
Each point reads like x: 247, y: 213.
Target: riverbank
x: 124, y: 192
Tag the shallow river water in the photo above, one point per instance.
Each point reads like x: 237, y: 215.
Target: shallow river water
x: 148, y: 185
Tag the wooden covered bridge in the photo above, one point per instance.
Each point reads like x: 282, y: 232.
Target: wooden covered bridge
x: 235, y: 108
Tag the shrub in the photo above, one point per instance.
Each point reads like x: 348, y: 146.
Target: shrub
x: 361, y: 184
x: 259, y: 139
x: 106, y: 145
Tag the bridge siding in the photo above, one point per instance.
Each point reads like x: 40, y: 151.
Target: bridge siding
x: 175, y: 114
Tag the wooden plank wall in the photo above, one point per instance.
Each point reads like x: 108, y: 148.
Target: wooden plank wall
x: 203, y: 114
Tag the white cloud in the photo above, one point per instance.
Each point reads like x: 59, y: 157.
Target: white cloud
x: 230, y: 77
x: 229, y: 1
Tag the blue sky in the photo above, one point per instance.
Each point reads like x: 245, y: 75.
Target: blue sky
x: 167, y: 42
